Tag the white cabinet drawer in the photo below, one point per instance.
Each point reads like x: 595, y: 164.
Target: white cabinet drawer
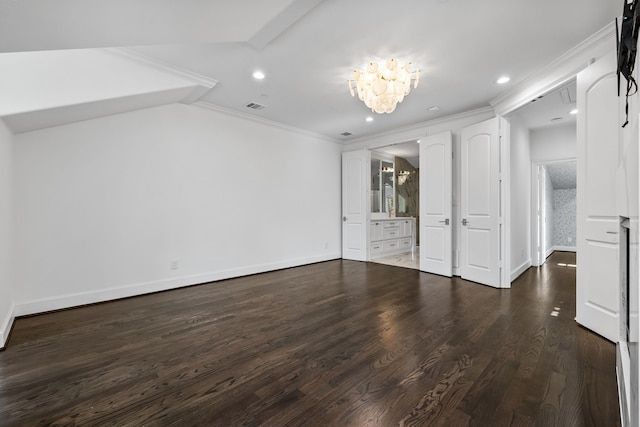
x: 405, y: 228
x: 390, y: 245
x: 391, y: 233
x: 376, y: 248
x: 405, y: 243
x: 376, y: 231
x: 391, y: 236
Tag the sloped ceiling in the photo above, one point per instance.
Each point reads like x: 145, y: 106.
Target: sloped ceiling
x: 34, y: 25
x: 208, y: 50
x: 53, y: 88
x: 64, y: 70
x: 563, y: 175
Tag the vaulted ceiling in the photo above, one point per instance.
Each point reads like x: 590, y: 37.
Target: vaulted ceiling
x: 68, y: 60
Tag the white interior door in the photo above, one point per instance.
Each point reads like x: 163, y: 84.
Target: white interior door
x: 436, y: 204
x: 597, y: 277
x: 355, y: 176
x: 480, y: 203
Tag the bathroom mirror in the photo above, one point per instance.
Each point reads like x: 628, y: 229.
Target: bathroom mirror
x: 382, y: 187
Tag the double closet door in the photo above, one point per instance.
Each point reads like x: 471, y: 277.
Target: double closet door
x: 479, y: 226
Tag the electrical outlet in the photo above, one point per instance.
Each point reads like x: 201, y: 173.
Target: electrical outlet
x: 174, y: 264
x: 570, y: 239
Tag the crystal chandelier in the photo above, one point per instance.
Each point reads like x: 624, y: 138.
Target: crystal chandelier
x: 382, y: 87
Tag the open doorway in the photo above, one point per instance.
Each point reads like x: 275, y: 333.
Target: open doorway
x: 395, y: 201
x: 556, y: 209
x: 543, y: 144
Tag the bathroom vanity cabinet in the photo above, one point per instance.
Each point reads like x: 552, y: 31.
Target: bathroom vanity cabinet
x: 391, y: 236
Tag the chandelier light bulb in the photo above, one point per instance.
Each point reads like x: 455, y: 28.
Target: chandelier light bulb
x: 383, y: 87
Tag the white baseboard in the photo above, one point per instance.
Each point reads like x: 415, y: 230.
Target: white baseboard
x: 549, y: 252
x: 24, y: 308
x: 5, y: 327
x: 520, y: 269
x: 564, y: 248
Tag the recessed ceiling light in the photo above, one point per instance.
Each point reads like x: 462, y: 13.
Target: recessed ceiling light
x: 502, y: 80
x: 434, y: 108
x: 369, y: 119
x: 418, y: 141
x: 574, y: 111
x: 258, y: 75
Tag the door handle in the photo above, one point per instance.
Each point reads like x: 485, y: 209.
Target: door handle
x: 344, y: 219
x: 464, y: 221
x: 445, y: 222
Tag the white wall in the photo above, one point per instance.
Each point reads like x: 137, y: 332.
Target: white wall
x: 104, y: 206
x: 553, y: 143
x: 6, y: 232
x: 520, y: 198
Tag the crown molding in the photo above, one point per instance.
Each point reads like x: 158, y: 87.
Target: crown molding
x: 272, y: 123
x: 199, y: 79
x: 416, y: 130
x: 557, y: 72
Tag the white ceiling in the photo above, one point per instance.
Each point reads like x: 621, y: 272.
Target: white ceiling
x: 551, y: 109
x: 32, y: 25
x: 308, y: 48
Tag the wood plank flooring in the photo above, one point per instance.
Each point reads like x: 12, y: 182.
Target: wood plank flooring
x: 338, y: 343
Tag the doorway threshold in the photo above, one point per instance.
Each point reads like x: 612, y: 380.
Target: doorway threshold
x: 405, y: 259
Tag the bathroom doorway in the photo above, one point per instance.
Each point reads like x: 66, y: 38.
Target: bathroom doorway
x: 395, y: 193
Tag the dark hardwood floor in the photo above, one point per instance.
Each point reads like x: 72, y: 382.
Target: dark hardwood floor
x: 338, y: 343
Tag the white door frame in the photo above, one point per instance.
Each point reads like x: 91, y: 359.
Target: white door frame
x: 505, y: 204
x: 537, y: 225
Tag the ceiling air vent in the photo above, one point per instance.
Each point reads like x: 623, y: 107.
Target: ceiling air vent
x: 255, y: 106
x: 568, y: 94
x: 346, y: 134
